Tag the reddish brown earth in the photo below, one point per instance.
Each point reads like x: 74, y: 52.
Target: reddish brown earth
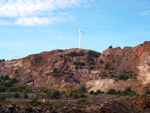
x: 35, y: 71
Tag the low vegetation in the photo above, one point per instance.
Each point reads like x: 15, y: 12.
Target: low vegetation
x: 73, y: 54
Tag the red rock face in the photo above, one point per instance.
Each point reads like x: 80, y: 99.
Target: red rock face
x: 72, y: 71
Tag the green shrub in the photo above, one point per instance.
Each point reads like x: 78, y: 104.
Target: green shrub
x: 92, y: 63
x: 82, y: 95
x: 75, y: 96
x: 55, y: 94
x: 3, y: 88
x: 101, y: 61
x: 55, y: 70
x: 91, y: 67
x: 98, y: 91
x: 81, y: 100
x: 111, y: 91
x: 46, y: 104
x: 92, y: 92
x: 106, y: 66
x: 72, y: 54
x: 82, y: 89
x: 2, y: 98
x: 16, y: 71
x: 25, y: 96
x: 95, y: 93
x: 147, y: 91
x: 110, y: 47
x: 34, y: 101
x: 79, y: 63
x: 12, y: 89
x: 16, y: 95
x: 93, y: 53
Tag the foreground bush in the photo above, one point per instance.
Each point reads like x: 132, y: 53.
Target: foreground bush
x: 16, y: 95
x: 47, y: 104
x: 81, y: 100
x: 2, y: 98
x: 34, y: 101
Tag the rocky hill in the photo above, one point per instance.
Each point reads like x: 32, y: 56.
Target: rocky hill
x: 114, y: 68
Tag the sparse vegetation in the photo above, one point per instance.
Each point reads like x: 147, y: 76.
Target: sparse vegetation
x: 127, y: 91
x: 147, y: 91
x: 16, y: 95
x: 2, y: 98
x: 110, y: 47
x: 81, y: 100
x: 73, y: 54
x: 25, y: 96
x: 126, y: 76
x: 55, y: 94
x: 46, y: 104
x: 79, y: 63
x: 101, y: 61
x: 34, y: 101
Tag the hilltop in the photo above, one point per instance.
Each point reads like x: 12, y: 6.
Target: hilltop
x: 114, y: 68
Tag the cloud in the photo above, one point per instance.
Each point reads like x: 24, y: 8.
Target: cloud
x: 145, y: 13
x: 35, y: 12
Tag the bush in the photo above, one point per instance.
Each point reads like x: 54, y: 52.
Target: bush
x: 3, y: 88
x: 2, y: 98
x: 111, y: 91
x: 16, y: 95
x: 55, y: 70
x: 46, y: 104
x: 92, y: 92
x: 34, y: 101
x: 101, y: 61
x: 91, y: 67
x: 93, y: 53
x: 147, y: 92
x: 25, y: 96
x: 83, y: 89
x: 110, y: 47
x: 72, y: 54
x: 82, y: 95
x: 81, y: 100
x: 79, y: 63
x: 98, y: 91
x: 12, y: 89
x: 55, y: 94
x: 95, y: 93
x: 92, y: 63
x: 75, y: 96
x: 16, y: 71
x: 106, y: 66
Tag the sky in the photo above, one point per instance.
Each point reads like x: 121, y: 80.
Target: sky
x: 33, y: 26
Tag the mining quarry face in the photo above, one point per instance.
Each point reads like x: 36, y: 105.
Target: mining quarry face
x: 69, y: 69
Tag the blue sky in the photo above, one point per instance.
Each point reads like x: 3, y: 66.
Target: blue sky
x: 33, y: 26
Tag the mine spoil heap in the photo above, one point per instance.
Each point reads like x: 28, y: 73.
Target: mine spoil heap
x: 114, y: 68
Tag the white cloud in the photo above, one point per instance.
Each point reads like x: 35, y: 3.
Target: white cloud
x: 35, y: 12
